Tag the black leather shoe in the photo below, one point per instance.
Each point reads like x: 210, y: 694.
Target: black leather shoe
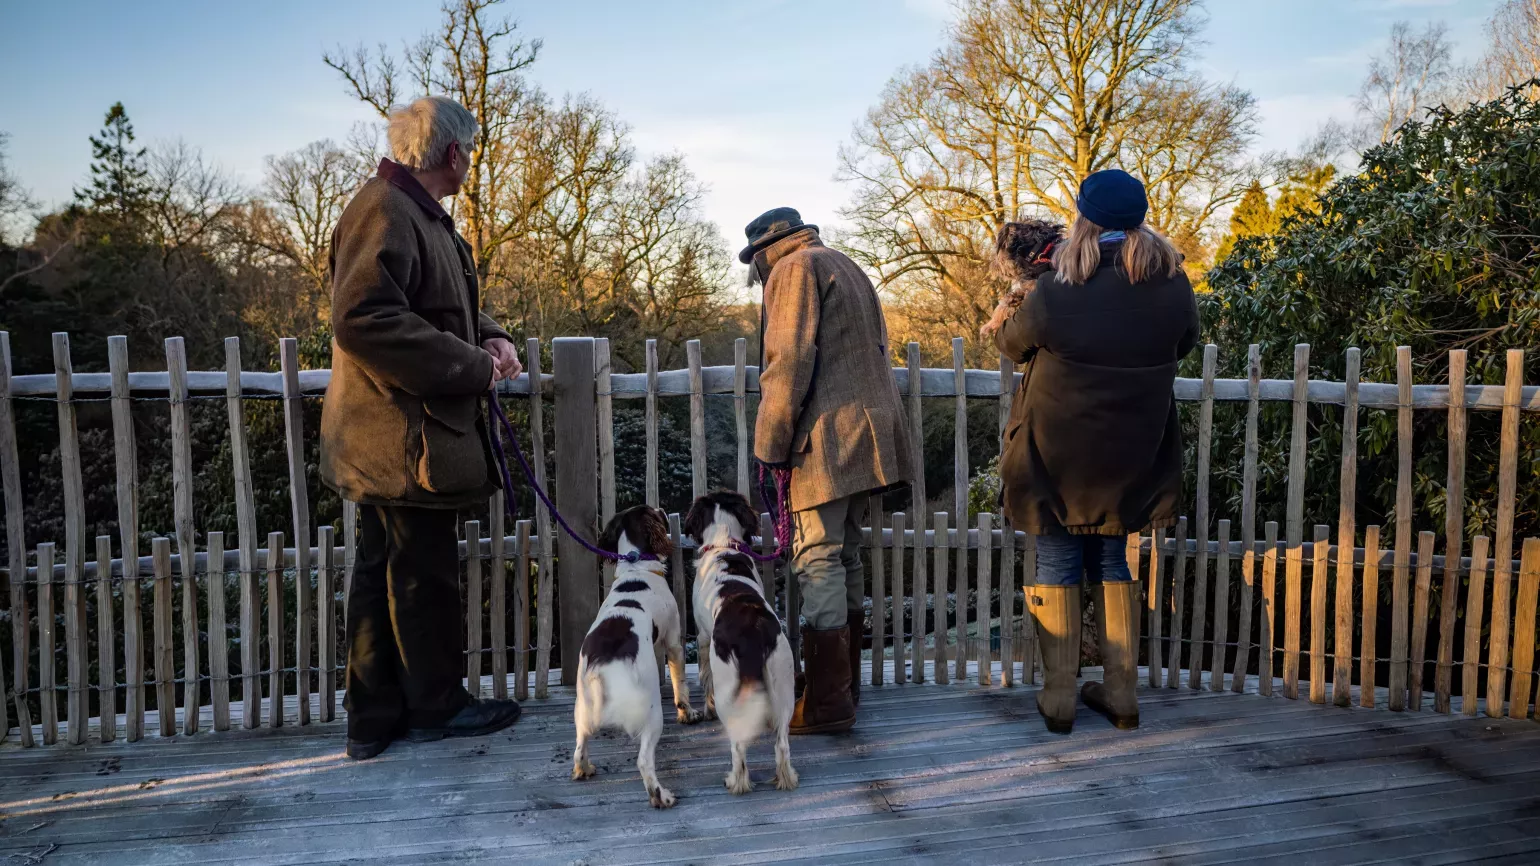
x: 477, y: 719
x: 363, y: 750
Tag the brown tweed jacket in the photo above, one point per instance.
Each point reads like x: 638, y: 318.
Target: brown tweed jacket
x: 402, y: 423
x: 828, y: 403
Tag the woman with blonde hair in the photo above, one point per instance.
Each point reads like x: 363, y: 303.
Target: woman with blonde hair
x: 1093, y: 448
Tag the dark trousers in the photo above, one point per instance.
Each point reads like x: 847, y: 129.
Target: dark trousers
x: 405, y: 646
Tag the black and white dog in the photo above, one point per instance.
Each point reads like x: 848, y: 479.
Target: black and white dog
x: 746, y: 664
x: 617, y: 683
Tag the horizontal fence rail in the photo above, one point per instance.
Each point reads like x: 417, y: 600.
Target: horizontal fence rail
x: 208, y: 631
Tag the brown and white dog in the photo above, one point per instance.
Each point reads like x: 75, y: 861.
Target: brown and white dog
x: 617, y: 683
x: 746, y: 662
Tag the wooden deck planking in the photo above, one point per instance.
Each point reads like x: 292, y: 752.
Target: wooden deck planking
x: 932, y: 773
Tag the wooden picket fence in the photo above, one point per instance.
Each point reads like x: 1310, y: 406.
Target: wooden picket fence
x: 920, y: 570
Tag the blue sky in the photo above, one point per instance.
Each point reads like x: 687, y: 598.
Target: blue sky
x: 758, y: 95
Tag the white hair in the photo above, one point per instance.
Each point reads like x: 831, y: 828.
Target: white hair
x: 420, y: 133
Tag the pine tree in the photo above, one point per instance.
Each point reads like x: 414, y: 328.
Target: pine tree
x: 1253, y: 215
x: 118, y: 175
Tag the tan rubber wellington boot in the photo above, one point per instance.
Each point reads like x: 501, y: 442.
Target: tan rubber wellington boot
x: 1057, y: 611
x: 1117, y: 630
x: 825, y: 706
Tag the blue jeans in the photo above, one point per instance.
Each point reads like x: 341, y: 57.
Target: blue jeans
x: 1061, y: 559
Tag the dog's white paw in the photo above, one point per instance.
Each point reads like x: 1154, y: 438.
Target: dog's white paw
x: 582, y: 770
x: 689, y: 715
x: 786, y: 779
x: 739, y: 784
x: 661, y: 798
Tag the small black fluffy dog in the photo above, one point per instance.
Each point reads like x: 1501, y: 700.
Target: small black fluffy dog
x: 1023, y: 252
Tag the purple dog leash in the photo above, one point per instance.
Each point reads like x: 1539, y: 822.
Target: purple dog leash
x: 505, y: 428
x: 780, y: 512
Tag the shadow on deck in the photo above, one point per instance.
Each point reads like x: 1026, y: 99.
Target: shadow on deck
x: 933, y: 774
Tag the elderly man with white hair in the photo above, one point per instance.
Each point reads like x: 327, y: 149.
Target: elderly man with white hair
x: 403, y: 435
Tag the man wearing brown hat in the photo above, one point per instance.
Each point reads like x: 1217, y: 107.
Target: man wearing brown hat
x: 830, y: 411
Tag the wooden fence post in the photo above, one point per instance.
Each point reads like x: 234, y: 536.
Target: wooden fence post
x: 604, y: 412
x: 981, y: 601
x: 299, y: 506
x: 1419, y: 648
x: 16, y: 545
x: 741, y: 411
x: 165, y: 660
x: 186, y: 544
x: 246, y: 537
x: 521, y: 553
x: 935, y: 600
x: 652, y: 423
x: 1475, y: 602
x: 1347, y: 531
x: 499, y: 601
x: 577, y: 484
x: 1502, y: 571
x: 76, y: 700
x: 1524, y: 630
x: 326, y: 619
x: 1401, y: 564
x: 473, y: 607
x: 1368, y: 664
x: 1200, y: 571
x: 106, y: 637
x: 960, y: 499
x: 47, y: 662
x: 1248, y: 519
x: 1319, y: 579
x: 275, y: 629
x: 1269, y: 610
x: 1454, y: 532
x: 697, y: 419
x: 1178, y: 603
x: 219, y: 644
x: 940, y: 557
x: 1294, y: 520
x: 1221, y: 609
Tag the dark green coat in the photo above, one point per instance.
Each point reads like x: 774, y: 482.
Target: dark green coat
x: 1093, y: 445
x: 402, y: 423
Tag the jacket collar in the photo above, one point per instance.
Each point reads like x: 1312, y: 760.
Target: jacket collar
x: 402, y: 179
x: 767, y: 257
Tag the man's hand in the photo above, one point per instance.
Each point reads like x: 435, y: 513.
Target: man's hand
x: 505, y: 359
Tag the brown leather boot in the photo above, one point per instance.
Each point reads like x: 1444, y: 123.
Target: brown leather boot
x: 1057, y: 611
x: 1117, y: 630
x: 825, y: 706
x: 856, y: 622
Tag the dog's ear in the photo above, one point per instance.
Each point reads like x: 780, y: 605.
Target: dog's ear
x: 610, y: 539
x: 702, y: 512
x: 738, y: 506
x: 659, y: 542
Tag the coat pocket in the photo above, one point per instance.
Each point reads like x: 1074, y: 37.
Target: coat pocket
x: 450, y: 459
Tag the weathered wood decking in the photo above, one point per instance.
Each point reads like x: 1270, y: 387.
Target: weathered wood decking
x: 934, y: 774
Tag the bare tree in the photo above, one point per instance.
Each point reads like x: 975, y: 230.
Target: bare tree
x: 14, y: 199
x: 480, y: 63
x: 303, y: 195
x: 1027, y: 98
x: 1412, y: 75
x: 186, y: 196
x: 1513, y: 55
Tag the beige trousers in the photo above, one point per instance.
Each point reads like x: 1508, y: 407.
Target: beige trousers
x: 826, y: 559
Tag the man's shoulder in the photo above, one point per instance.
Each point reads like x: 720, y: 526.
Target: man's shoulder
x: 379, y: 197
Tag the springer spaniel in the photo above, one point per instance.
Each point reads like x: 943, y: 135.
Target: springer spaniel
x: 617, y: 683
x: 746, y: 660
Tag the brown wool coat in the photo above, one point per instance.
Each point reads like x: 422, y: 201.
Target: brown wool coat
x: 1093, y: 445
x: 402, y: 422
x: 828, y: 403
